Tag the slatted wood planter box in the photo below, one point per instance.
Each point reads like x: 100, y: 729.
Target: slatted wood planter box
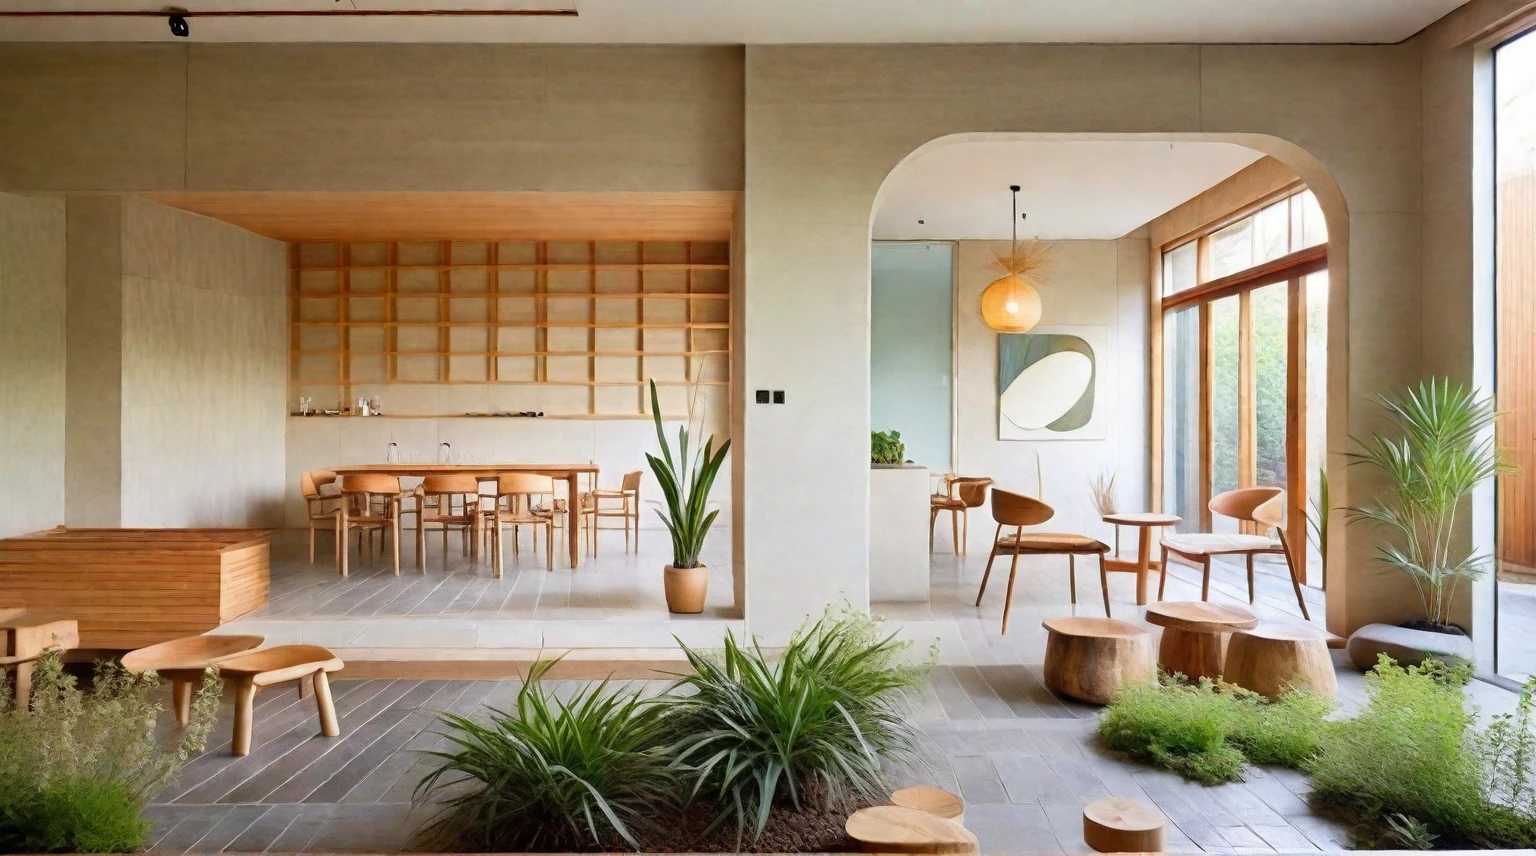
x: 134, y: 587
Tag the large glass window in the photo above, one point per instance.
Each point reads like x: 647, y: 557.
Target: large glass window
x: 1244, y: 364
x: 911, y: 368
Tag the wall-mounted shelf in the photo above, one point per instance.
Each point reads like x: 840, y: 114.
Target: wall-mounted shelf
x: 573, y: 328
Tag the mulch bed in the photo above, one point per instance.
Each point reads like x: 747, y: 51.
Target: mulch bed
x: 808, y: 830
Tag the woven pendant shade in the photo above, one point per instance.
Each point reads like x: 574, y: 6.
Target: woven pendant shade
x: 1010, y: 305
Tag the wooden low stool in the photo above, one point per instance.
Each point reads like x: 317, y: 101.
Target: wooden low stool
x: 1194, y: 642
x: 1271, y: 659
x: 183, y: 661
x: 1089, y: 658
x: 264, y: 667
x: 936, y: 801
x: 24, y: 635
x: 897, y: 829
x: 1119, y: 825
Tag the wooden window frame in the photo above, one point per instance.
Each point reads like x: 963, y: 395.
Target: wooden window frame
x: 1293, y: 268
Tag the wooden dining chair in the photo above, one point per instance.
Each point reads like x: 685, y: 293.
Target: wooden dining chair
x: 1017, y: 511
x: 320, y: 505
x: 370, y: 502
x: 961, y: 494
x: 1262, y: 506
x: 435, y: 498
x: 513, y: 506
x: 628, y: 496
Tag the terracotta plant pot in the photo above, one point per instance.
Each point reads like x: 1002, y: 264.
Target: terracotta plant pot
x: 686, y: 588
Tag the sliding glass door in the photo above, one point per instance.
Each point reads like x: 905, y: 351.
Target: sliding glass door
x: 1244, y: 364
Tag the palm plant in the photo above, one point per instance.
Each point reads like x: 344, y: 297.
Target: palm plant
x: 552, y: 775
x: 1318, y: 518
x: 1443, y: 451
x: 686, y: 483
x: 811, y: 729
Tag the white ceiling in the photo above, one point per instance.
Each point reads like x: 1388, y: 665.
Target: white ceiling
x: 1069, y: 189
x: 766, y: 21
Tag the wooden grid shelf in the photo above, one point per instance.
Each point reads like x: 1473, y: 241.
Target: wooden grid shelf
x: 570, y: 328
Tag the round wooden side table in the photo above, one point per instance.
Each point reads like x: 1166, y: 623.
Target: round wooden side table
x: 1145, y: 522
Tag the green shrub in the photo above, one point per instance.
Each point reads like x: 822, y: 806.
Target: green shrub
x: 885, y: 447
x: 553, y: 775
x: 78, y: 767
x: 1412, y: 752
x: 1208, y: 731
x: 808, y: 729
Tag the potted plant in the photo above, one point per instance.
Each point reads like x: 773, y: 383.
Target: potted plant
x: 886, y: 449
x: 1441, y: 450
x: 686, y: 482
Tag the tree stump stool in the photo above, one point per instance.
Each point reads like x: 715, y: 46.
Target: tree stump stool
x: 897, y: 829
x: 253, y: 670
x: 1118, y: 825
x: 183, y: 661
x: 1272, y: 659
x: 936, y: 801
x: 1089, y: 658
x: 1194, y: 642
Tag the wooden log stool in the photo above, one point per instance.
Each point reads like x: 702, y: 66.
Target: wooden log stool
x: 1090, y: 658
x: 936, y: 801
x: 1271, y: 659
x: 1119, y: 825
x: 897, y: 829
x: 253, y: 670
x: 24, y: 635
x: 1194, y: 642
x: 183, y: 661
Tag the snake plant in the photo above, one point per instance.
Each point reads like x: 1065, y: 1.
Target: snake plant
x: 685, y: 482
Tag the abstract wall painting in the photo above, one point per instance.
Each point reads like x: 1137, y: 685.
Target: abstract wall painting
x: 1051, y: 383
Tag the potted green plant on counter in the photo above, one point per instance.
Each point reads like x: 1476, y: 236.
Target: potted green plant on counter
x: 685, y: 483
x: 1441, y: 450
x: 886, y: 449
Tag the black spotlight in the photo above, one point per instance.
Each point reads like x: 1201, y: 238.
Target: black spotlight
x: 179, y: 27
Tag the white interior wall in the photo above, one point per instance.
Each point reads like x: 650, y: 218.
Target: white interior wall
x: 1098, y: 283
x: 32, y: 353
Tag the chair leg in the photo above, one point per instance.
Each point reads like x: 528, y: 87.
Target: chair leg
x: 245, y: 701
x: 1285, y: 550
x: 933, y: 516
x: 965, y: 531
x: 990, y: 558
x: 1205, y: 578
x: 626, y: 524
x: 394, y: 543
x: 1162, y: 578
x: 1013, y: 572
x: 1249, y: 557
x: 954, y: 530
x: 1072, y: 576
x: 325, y: 706
x: 549, y: 545
x: 1104, y: 584
x: 421, y: 545
x: 22, y: 686
x: 311, y: 540
x: 496, y: 549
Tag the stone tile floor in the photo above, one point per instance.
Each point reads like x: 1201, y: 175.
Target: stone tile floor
x: 1024, y: 760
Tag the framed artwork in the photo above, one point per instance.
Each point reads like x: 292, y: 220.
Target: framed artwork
x: 1051, y: 383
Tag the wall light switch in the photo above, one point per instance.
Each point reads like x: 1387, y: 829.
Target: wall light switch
x: 778, y: 396
x: 762, y: 396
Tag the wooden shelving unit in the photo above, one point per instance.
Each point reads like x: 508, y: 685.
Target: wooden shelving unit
x: 570, y: 328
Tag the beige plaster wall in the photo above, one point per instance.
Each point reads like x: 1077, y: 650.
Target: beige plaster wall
x: 369, y: 117
x: 204, y: 368
x: 826, y: 125
x: 1098, y: 283
x: 32, y: 353
x: 94, y: 392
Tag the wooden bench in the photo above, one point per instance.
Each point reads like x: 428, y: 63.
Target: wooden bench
x: 1089, y: 658
x: 129, y: 588
x: 252, y: 670
x: 183, y: 661
x: 1194, y: 642
x: 24, y: 635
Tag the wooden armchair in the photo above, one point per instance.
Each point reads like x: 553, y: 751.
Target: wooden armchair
x: 961, y: 494
x: 1017, y: 511
x: 1263, y: 506
x: 370, y: 502
x: 513, y: 506
x: 320, y: 505
x: 435, y: 498
x: 628, y: 496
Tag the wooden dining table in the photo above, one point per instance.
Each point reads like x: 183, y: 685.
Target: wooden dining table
x: 570, y: 473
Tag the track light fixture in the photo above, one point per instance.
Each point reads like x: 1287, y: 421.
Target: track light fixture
x: 178, y: 23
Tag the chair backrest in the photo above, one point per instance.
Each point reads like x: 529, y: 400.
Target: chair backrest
x: 311, y: 480
x: 1016, y: 509
x: 450, y: 483
x: 632, y: 481
x: 1262, y: 505
x: 972, y: 491
x: 369, y: 483
x: 521, y: 483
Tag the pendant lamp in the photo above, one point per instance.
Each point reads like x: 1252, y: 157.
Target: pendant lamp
x: 1011, y: 304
